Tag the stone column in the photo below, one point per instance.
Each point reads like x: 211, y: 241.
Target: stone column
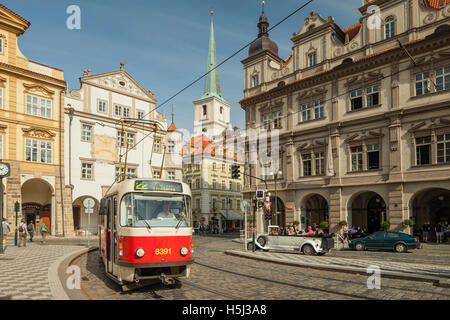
x: 394, y: 212
x: 337, y: 213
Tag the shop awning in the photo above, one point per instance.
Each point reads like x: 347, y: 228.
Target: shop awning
x: 233, y: 216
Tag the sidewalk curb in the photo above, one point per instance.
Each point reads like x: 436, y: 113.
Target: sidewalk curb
x: 387, y: 274
x: 60, y: 273
x: 54, y: 279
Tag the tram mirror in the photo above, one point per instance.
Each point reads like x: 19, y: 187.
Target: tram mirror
x: 104, y: 206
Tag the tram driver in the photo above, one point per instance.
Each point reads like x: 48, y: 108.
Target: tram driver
x: 166, y: 213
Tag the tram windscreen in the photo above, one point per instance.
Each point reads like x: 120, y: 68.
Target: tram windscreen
x: 140, y: 210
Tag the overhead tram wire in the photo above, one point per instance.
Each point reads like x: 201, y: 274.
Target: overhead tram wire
x: 220, y: 64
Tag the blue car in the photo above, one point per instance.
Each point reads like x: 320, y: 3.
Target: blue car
x: 386, y: 240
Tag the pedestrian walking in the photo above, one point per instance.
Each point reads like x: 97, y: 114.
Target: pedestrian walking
x: 426, y: 231
x: 43, y: 230
x: 31, y: 229
x: 439, y: 231
x: 5, y: 230
x: 23, y: 233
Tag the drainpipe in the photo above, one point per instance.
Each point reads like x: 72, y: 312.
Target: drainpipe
x: 60, y: 160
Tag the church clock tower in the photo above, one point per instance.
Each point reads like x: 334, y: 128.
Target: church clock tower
x: 212, y: 112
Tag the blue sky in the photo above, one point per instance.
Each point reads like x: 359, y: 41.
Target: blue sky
x: 164, y: 43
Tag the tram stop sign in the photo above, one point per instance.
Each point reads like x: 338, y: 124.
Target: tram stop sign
x: 89, y: 205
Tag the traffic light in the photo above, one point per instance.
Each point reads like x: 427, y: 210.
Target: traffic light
x: 235, y: 172
x: 267, y: 214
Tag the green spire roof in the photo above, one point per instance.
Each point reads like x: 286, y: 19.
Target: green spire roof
x: 212, y: 85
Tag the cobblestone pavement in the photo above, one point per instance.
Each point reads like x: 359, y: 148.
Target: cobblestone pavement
x: 216, y: 276
x: 24, y: 271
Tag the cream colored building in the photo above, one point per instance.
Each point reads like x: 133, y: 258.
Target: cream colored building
x: 96, y: 145
x: 387, y: 117
x: 32, y: 133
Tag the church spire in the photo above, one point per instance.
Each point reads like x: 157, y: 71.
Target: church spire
x: 212, y: 85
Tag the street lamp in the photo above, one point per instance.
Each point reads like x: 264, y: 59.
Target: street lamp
x: 276, y: 197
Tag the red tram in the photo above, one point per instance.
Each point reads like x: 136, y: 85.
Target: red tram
x: 146, y: 231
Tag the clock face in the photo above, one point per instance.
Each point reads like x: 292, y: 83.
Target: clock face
x: 4, y: 170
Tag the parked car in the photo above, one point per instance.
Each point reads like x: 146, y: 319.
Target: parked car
x: 386, y: 240
x: 309, y: 245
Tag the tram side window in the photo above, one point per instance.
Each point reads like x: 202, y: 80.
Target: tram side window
x: 126, y: 217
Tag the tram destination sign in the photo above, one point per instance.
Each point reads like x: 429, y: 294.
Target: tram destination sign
x: 151, y: 185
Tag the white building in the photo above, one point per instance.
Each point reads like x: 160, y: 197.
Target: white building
x: 95, y: 139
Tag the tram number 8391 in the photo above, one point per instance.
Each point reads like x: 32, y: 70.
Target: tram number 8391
x: 163, y: 251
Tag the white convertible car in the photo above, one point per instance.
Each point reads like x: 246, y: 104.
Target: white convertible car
x: 313, y: 244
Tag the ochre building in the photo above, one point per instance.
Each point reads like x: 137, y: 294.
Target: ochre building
x: 32, y: 133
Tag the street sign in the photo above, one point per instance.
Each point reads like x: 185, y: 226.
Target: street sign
x: 90, y: 210
x: 244, y: 205
x: 267, y: 205
x: 89, y: 203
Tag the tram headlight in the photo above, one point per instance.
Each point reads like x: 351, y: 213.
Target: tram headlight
x: 140, y: 252
x: 184, y: 251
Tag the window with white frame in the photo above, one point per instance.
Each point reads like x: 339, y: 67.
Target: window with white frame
x: 1, y: 98
x: 306, y: 112
x: 46, y: 152
x: 197, y: 203
x: 319, y: 163
x: 101, y: 106
x: 307, y: 167
x: 443, y: 148
x: 214, y: 184
x: 389, y: 27
x: 171, y: 146
x: 140, y: 114
x: 86, y: 171
x: 157, y: 146
x: 223, y: 185
x: 171, y: 175
x: 255, y: 81
x: 189, y: 182
x: 126, y: 112
x: 34, y: 147
x: 130, y: 171
x: 121, y: 142
x: 31, y: 150
x: 423, y: 150
x: 197, y: 183
x: 423, y: 83
x: 86, y: 132
x: 117, y: 110
x: 276, y: 120
x: 157, y: 174
x: 266, y: 121
x: 373, y: 156
x: 372, y: 96
x: 230, y: 185
x: 39, y: 107
x: 443, y: 79
x: 312, y: 59
x: 357, y: 158
x: 356, y: 99
x: 318, y: 109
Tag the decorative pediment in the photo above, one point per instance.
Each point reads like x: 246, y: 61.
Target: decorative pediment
x: 311, y: 93
x: 317, y: 144
x: 314, y: 21
x: 364, y: 136
x: 3, y: 128
x: 36, y: 88
x: 13, y: 20
x: 38, y: 133
x: 430, y: 125
x: 273, y: 105
x: 365, y: 78
x: 121, y: 82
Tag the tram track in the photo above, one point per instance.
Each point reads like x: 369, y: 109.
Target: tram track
x: 312, y: 277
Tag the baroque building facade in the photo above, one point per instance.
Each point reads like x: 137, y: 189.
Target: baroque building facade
x: 96, y: 140
x: 364, y: 128
x: 32, y: 133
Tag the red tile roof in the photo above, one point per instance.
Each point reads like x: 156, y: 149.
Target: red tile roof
x: 206, y: 146
x: 172, y: 127
x: 352, y: 31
